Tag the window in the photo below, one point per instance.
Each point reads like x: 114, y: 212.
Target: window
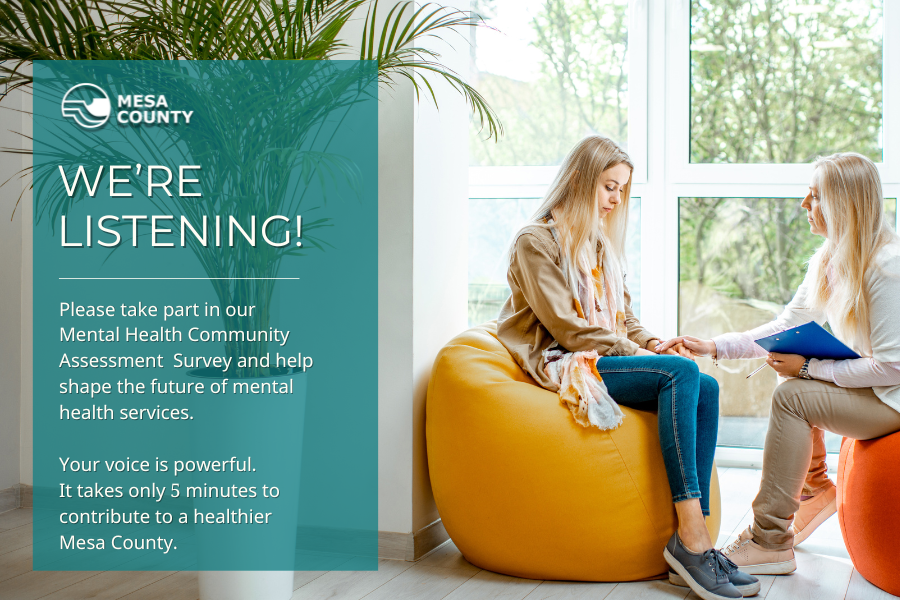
x: 492, y: 224
x: 784, y: 81
x: 555, y: 70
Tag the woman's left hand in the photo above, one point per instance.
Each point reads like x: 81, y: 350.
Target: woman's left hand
x: 786, y: 365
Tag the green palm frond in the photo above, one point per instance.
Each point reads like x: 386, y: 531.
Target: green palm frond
x: 400, y: 53
x: 191, y: 29
x: 309, y: 31
x: 54, y: 30
x: 240, y: 29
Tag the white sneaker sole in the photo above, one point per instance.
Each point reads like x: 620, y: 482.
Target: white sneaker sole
x: 779, y: 568
x: 745, y: 590
x: 691, y: 583
x: 823, y: 515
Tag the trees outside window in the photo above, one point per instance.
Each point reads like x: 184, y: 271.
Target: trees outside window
x: 784, y: 81
x: 578, y: 85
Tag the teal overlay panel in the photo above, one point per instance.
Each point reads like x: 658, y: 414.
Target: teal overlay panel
x: 205, y: 403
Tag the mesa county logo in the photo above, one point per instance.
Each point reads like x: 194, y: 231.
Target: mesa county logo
x: 89, y: 106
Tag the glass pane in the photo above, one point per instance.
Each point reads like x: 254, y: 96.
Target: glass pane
x: 555, y: 71
x: 784, y: 81
x: 492, y: 224
x: 890, y: 210
x: 740, y: 262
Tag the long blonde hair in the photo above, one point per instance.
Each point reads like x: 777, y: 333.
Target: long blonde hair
x: 852, y: 205
x: 572, y: 203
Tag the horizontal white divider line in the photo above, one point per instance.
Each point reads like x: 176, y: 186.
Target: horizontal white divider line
x: 180, y: 278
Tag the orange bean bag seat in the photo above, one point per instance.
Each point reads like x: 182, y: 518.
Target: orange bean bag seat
x: 524, y: 490
x: 868, y: 503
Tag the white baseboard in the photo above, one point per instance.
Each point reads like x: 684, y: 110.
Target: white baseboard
x: 17, y: 496
x: 411, y: 546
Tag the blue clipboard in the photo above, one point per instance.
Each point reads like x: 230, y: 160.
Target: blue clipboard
x: 808, y: 340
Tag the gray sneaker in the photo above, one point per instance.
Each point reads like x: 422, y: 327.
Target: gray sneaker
x: 746, y: 584
x: 704, y: 573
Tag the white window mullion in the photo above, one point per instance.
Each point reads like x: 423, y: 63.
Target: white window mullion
x: 891, y: 98
x: 510, y: 182
x: 675, y: 43
x: 753, y: 175
x: 655, y: 294
x: 742, y: 190
x: 677, y: 95
x: 669, y: 260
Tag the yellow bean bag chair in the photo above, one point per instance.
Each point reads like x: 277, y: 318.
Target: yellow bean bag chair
x: 524, y: 490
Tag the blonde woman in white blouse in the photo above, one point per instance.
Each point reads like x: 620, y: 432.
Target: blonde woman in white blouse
x: 853, y: 283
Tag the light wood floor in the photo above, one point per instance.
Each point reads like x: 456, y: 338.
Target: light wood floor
x: 824, y: 571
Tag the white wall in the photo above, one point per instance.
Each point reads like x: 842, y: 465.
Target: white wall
x: 25, y: 214
x: 423, y: 209
x: 440, y: 252
x: 395, y: 309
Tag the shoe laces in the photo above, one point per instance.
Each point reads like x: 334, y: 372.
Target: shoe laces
x: 718, y: 562
x: 732, y: 548
x: 726, y: 564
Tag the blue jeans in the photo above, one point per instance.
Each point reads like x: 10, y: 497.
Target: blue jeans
x: 688, y: 406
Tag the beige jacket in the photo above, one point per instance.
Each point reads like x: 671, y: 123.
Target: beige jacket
x: 541, y: 313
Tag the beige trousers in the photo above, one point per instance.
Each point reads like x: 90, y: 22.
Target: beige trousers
x: 794, y: 456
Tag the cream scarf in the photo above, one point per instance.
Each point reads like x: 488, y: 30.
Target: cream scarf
x: 600, y: 301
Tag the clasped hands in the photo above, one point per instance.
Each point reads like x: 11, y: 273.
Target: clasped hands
x: 786, y: 365
x: 655, y: 346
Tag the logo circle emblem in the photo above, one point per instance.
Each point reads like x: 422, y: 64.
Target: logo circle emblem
x: 87, y: 104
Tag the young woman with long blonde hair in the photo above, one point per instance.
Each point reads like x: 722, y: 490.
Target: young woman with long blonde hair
x: 569, y: 324
x: 853, y: 283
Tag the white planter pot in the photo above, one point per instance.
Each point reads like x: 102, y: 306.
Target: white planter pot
x: 246, y: 585
x: 252, y: 585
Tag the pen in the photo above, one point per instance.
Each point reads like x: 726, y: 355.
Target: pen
x: 756, y: 371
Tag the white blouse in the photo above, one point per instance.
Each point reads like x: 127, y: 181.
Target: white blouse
x: 881, y: 371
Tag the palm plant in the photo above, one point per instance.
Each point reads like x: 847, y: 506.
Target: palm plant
x: 236, y: 30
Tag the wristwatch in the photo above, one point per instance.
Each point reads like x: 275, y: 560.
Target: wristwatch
x: 804, y: 370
